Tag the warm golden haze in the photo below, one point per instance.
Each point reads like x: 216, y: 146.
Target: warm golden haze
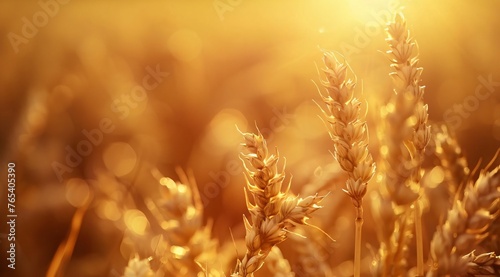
x: 141, y: 138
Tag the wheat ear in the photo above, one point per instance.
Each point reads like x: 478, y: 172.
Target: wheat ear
x: 466, y: 225
x: 452, y: 159
x: 138, y: 268
x: 274, y: 213
x: 407, y: 129
x: 405, y: 116
x: 349, y: 133
x: 486, y: 264
x: 187, y: 241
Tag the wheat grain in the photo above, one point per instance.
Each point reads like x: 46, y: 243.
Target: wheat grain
x: 406, y: 116
x: 466, y: 224
x: 183, y: 243
x: 486, y: 264
x: 347, y: 129
x: 275, y: 213
x: 406, y: 134
x: 138, y: 268
x: 452, y: 160
x: 392, y: 259
x: 350, y: 135
x: 187, y: 243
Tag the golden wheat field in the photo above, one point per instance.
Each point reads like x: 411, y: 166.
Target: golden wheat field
x: 250, y: 138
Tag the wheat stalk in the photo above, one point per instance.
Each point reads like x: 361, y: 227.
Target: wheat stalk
x: 452, y: 159
x: 407, y: 114
x: 407, y: 131
x: 466, y: 224
x: 350, y: 136
x: 274, y: 212
x: 188, y: 244
x: 392, y: 257
x: 406, y: 109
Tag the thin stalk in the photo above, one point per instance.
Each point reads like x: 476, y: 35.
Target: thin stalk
x: 357, y: 242
x: 418, y: 237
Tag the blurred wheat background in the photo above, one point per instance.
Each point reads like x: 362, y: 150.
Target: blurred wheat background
x: 219, y: 64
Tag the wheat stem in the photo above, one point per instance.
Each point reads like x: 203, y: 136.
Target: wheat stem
x: 406, y: 115
x: 357, y: 242
x: 418, y: 238
x: 349, y: 132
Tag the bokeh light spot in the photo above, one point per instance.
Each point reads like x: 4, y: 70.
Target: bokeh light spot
x: 167, y: 182
x: 222, y: 132
x: 77, y: 192
x: 436, y: 176
x: 136, y: 221
x: 384, y: 150
x: 178, y: 251
x: 185, y: 45
x: 346, y: 268
x: 108, y: 210
x: 120, y: 158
